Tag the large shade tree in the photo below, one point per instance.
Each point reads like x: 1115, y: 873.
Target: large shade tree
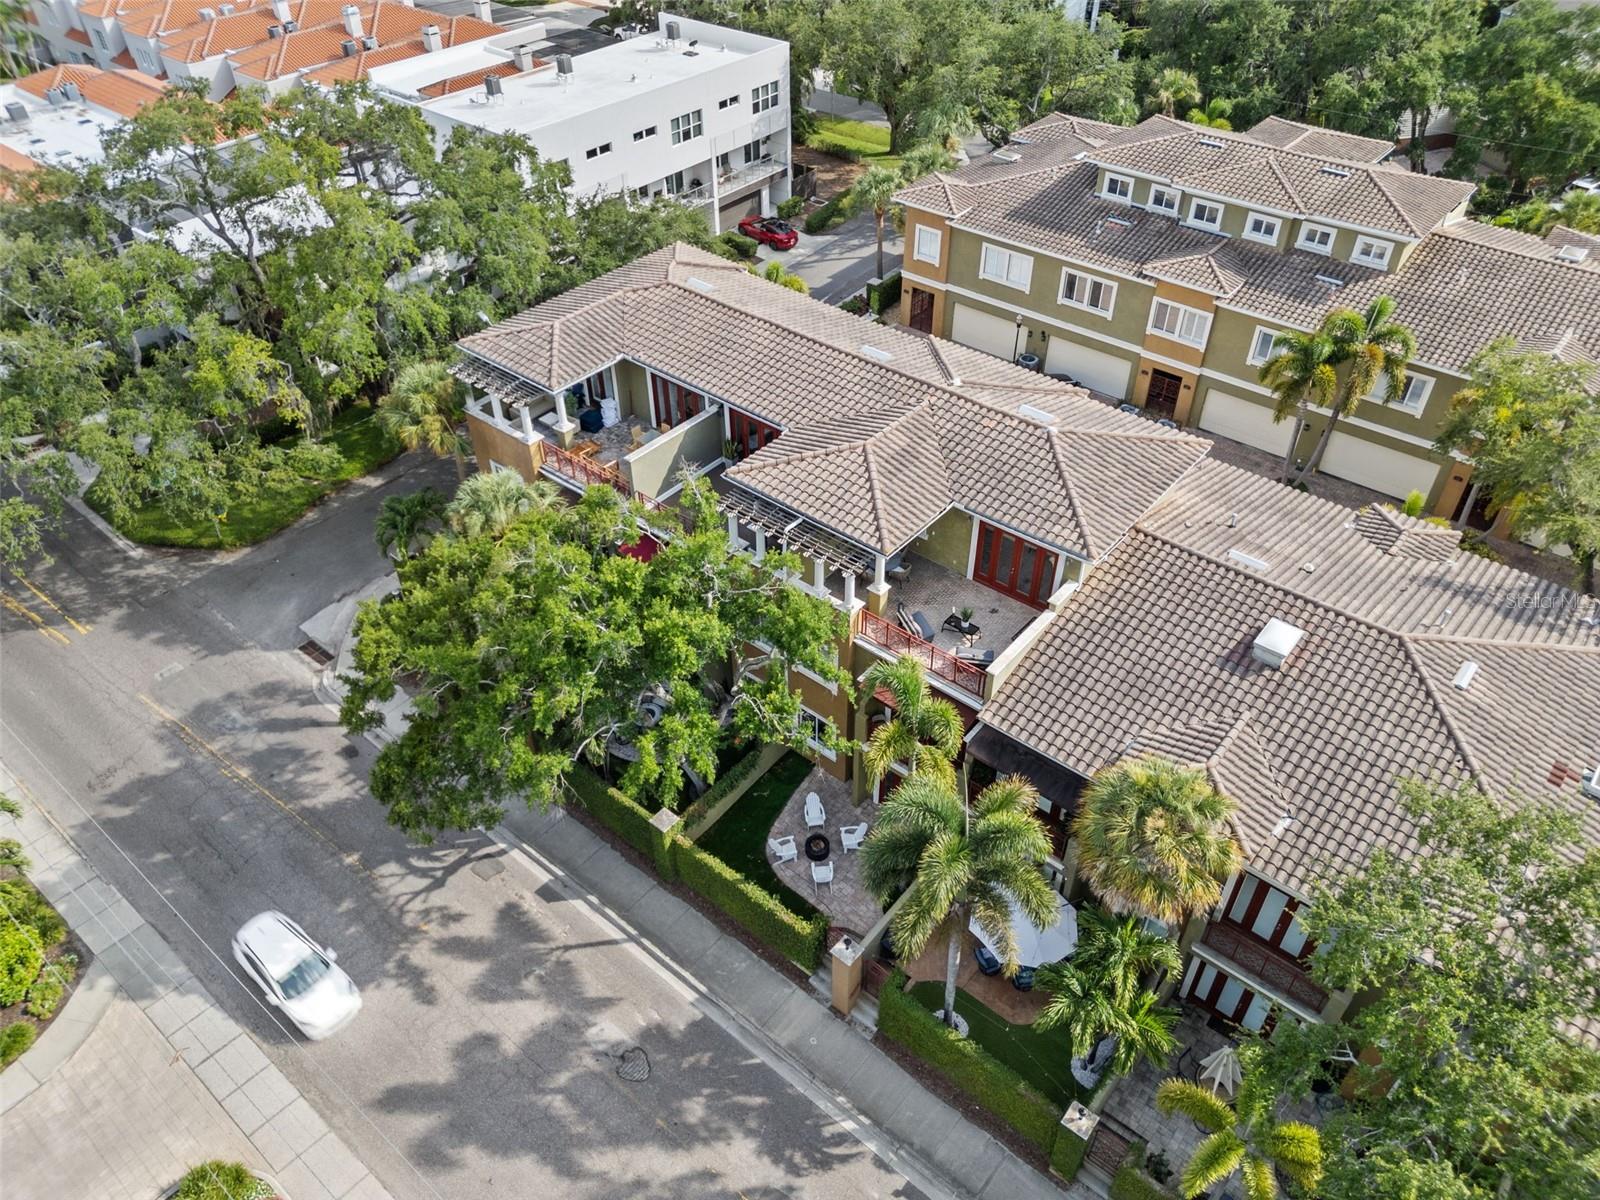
x: 534, y: 651
x: 959, y: 862
x: 1155, y: 839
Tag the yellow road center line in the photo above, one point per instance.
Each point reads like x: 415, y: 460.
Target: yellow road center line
x: 233, y: 770
x: 22, y: 610
x: 27, y: 583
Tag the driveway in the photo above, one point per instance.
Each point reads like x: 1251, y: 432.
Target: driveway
x: 837, y: 265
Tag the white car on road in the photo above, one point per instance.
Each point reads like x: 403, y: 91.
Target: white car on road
x: 296, y: 974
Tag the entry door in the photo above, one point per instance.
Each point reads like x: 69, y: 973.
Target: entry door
x: 1220, y: 993
x: 1162, y: 398
x: 921, y: 310
x: 1014, y: 565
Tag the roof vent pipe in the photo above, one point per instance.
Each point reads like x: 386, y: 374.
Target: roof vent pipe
x: 564, y: 66
x: 352, y: 20
x: 1465, y: 676
x: 280, y: 9
x: 348, y: 48
x: 274, y: 32
x: 71, y: 92
x: 522, y: 56
x: 432, y: 40
x: 483, y: 10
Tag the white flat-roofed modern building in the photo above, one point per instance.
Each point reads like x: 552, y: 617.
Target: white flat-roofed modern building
x: 693, y: 110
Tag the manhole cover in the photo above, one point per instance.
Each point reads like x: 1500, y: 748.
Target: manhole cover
x: 487, y: 868
x: 634, y: 1065
x: 350, y: 751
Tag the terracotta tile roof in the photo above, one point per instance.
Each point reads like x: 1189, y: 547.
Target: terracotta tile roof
x: 1236, y: 761
x: 1154, y: 650
x: 124, y: 59
x: 15, y: 160
x: 473, y: 79
x: 884, y: 428
x: 387, y: 21
x: 118, y: 91
x: 199, y: 40
x: 1312, y: 139
x: 163, y: 17
x: 79, y: 36
x: 1560, y: 235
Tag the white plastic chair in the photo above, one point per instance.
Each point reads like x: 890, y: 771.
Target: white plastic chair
x: 821, y: 873
x: 782, y: 849
x: 852, y: 836
x: 816, y: 815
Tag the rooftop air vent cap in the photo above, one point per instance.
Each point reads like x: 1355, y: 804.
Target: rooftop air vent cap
x: 1276, y: 642
x: 1465, y: 675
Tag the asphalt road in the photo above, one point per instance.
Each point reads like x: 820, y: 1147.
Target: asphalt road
x: 158, y: 708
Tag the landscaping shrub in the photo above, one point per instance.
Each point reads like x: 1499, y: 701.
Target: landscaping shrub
x: 744, y: 247
x: 1130, y: 1183
x: 22, y: 902
x: 1066, y: 1155
x: 731, y: 778
x: 221, y: 1181
x: 791, y: 207
x: 752, y: 907
x: 20, y: 959
x: 885, y: 295
x: 623, y: 817
x: 825, y: 217
x: 824, y: 144
x: 990, y: 1083
x: 52, y: 984
x: 11, y: 855
x: 15, y: 1040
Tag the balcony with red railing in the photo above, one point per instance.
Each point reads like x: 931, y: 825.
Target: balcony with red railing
x: 583, y: 473
x: 1281, y: 972
x: 941, y: 664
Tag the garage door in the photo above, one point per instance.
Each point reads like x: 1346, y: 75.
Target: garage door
x: 1245, y: 421
x: 1392, y: 472
x: 1095, y: 369
x: 731, y: 215
x: 983, y: 331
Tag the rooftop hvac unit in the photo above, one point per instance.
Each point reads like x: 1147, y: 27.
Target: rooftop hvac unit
x: 564, y: 64
x: 225, y: 10
x: 290, y: 26
x: 52, y: 96
x: 72, y: 92
x: 207, y: 14
x: 674, y: 31
x: 348, y: 46
x: 369, y: 42
x: 1276, y: 642
x: 274, y: 32
x: 17, y: 113
x: 522, y: 58
x: 492, y: 86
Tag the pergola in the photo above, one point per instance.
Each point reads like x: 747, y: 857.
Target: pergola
x: 794, y: 532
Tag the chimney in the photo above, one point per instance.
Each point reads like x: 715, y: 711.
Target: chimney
x: 432, y: 42
x: 72, y: 92
x: 483, y: 10
x: 280, y: 10
x: 352, y: 20
x: 522, y: 56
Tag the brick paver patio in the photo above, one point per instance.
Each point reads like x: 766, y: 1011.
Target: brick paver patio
x: 846, y: 900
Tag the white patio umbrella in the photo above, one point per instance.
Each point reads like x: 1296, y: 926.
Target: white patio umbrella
x: 1221, y: 1069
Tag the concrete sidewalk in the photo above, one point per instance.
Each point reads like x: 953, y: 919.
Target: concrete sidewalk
x: 859, y: 1077
x: 143, y: 1075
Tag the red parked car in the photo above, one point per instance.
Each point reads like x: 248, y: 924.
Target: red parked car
x: 780, y: 235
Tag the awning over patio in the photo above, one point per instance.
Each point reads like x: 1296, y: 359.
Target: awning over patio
x: 1010, y: 757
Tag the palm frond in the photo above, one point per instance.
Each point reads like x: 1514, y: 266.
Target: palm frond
x: 1195, y: 1102
x: 1297, y: 1149
x: 1213, y: 1161
x: 1259, y: 1183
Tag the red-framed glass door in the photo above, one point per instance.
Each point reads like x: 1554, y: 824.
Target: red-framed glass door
x: 1014, y: 565
x: 671, y: 403
x: 748, y: 434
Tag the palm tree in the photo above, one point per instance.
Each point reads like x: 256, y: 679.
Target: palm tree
x: 925, y: 732
x: 1153, y: 839
x: 1373, y: 344
x: 1214, y: 115
x: 1246, y: 1137
x: 1170, y: 90
x: 1099, y: 990
x: 961, y: 862
x: 875, y: 187
x: 423, y: 408
x: 407, y: 523
x: 488, y: 502
x: 1302, y: 371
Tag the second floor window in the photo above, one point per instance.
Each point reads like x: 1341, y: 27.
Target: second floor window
x: 727, y: 102
x: 597, y: 151
x: 1316, y: 238
x: 764, y: 97
x: 1179, y: 323
x: 1000, y: 265
x: 1259, y: 227
x: 1261, y: 346
x: 1370, y: 252
x: 687, y: 127
x: 1413, y: 400
x: 928, y: 244
x: 1085, y: 291
x: 649, y: 131
x: 1163, y: 200
x: 1205, y: 214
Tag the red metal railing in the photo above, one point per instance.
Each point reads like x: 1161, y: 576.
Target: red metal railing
x: 1272, y: 966
x: 967, y: 676
x: 588, y: 473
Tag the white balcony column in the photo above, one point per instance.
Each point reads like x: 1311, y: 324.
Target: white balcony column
x: 563, y: 425
x: 527, y: 421
x: 733, y: 531
x: 878, y: 589
x: 819, y: 575
x: 849, y: 588
x: 499, y: 411
x: 761, y: 543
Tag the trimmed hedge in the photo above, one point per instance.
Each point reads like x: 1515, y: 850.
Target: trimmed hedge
x: 833, y: 147
x: 989, y: 1082
x: 625, y: 818
x: 733, y: 777
x: 759, y: 912
x: 824, y: 218
x: 1130, y: 1183
x: 885, y: 295
x: 791, y: 207
x: 741, y: 244
x: 1066, y: 1155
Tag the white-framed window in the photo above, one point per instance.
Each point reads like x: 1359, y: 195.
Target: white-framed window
x: 815, y: 728
x: 1207, y: 214
x: 1085, y: 291
x: 1316, y: 238
x: 727, y: 102
x: 687, y: 127
x: 1372, y: 252
x: 1261, y: 346
x: 649, y: 131
x: 1259, y: 227
x: 764, y: 97
x: 1163, y: 200
x: 100, y: 39
x: 597, y: 151
x: 1118, y: 187
x: 999, y: 265
x: 929, y: 245
x: 1413, y: 400
x: 673, y: 184
x: 1179, y: 322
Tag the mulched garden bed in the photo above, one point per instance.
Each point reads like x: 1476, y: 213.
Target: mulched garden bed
x: 71, y: 944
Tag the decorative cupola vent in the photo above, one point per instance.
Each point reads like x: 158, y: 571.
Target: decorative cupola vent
x: 1275, y: 643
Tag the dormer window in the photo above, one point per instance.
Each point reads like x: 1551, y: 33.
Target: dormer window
x: 1372, y: 252
x: 1205, y: 214
x: 1163, y: 200
x: 1119, y: 188
x: 1316, y: 238
x: 1258, y: 227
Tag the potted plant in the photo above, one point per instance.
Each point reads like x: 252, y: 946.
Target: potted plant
x: 219, y: 1180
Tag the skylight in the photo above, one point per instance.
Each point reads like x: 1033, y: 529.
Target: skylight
x: 1336, y: 172
x: 874, y: 353
x: 698, y: 284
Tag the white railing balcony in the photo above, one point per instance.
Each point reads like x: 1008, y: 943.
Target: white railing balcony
x: 769, y: 164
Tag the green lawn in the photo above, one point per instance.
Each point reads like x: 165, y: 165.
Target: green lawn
x: 358, y: 439
x: 871, y: 142
x: 1044, y: 1059
x: 739, y: 838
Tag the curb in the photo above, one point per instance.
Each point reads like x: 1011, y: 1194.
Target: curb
x: 70, y: 1029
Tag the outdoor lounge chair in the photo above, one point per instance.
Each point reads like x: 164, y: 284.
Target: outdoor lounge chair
x: 821, y: 873
x: 851, y: 836
x: 816, y: 815
x: 987, y: 962
x: 981, y: 657
x: 915, y: 622
x: 782, y: 849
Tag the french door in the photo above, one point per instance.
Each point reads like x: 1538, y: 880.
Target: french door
x: 748, y: 434
x: 921, y: 310
x: 671, y: 403
x: 1014, y: 565
x: 1222, y: 994
x: 1270, y: 915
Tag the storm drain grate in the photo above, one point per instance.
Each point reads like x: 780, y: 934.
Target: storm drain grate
x: 634, y: 1065
x: 316, y: 653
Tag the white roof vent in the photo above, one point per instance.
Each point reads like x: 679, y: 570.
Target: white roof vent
x: 1006, y: 156
x: 1276, y: 642
x: 1249, y: 561
x: 1572, y: 254
x: 1332, y: 281
x: 1336, y: 172
x: 698, y: 284
x: 1211, y: 142
x: 1036, y: 414
x: 876, y: 354
x: 1465, y: 676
